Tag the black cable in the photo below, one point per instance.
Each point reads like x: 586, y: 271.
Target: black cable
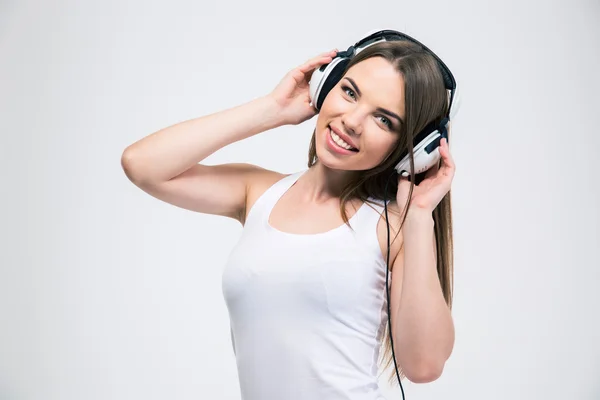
x: 387, y: 271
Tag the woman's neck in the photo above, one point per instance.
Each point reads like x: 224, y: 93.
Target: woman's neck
x: 322, y: 184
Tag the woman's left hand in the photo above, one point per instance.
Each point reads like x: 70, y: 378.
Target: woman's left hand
x: 428, y: 194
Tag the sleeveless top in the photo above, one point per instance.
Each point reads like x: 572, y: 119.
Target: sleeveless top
x: 307, y: 311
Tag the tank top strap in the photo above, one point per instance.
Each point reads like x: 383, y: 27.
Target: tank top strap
x: 379, y: 204
x: 365, y: 226
x: 261, y: 209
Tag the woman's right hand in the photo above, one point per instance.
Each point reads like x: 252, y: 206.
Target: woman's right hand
x: 292, y: 94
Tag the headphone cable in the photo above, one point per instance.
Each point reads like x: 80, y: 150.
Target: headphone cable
x: 387, y: 288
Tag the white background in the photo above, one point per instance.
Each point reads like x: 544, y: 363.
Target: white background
x: 109, y: 294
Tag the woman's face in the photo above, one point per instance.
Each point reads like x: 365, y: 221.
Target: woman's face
x: 363, y: 108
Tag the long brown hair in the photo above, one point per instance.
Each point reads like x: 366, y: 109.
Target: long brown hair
x: 426, y: 100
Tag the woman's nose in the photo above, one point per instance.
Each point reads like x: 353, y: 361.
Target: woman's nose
x: 353, y: 121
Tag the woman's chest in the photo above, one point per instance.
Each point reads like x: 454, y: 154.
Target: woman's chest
x: 276, y: 276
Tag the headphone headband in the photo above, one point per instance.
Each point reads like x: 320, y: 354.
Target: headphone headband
x: 391, y: 35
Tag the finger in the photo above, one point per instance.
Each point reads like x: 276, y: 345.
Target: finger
x: 329, y: 53
x: 445, y: 151
x: 448, y: 167
x: 314, y: 64
x: 324, y: 58
x: 321, y: 57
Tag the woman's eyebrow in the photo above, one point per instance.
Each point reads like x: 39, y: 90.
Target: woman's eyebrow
x: 381, y: 110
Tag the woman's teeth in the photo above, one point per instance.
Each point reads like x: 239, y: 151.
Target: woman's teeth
x: 338, y: 140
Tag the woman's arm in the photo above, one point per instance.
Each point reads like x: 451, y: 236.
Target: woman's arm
x: 423, y: 330
x: 171, y: 151
x: 166, y: 165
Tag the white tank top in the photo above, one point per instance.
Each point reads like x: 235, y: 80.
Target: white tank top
x: 307, y: 311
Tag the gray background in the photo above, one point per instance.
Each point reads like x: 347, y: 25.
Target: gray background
x: 107, y: 293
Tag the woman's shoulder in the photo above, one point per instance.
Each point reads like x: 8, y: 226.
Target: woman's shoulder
x: 262, y: 180
x: 394, y: 218
x: 259, y: 181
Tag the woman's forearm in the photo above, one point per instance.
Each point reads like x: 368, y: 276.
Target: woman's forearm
x: 173, y: 150
x: 423, y: 319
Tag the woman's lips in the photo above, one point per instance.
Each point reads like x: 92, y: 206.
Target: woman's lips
x: 334, y: 146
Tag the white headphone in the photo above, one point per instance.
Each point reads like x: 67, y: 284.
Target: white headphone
x: 426, y: 143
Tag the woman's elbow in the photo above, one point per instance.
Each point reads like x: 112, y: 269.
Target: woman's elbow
x: 425, y: 373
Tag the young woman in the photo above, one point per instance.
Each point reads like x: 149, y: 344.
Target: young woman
x: 306, y: 284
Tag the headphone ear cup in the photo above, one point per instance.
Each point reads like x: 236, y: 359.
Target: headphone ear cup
x: 315, y: 83
x: 426, y: 151
x: 324, y: 79
x: 455, y: 106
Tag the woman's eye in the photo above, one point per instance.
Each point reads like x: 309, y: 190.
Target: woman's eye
x: 351, y: 93
x: 346, y: 89
x: 387, y: 122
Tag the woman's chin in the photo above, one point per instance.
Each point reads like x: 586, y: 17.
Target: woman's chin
x: 326, y: 160
x: 331, y: 162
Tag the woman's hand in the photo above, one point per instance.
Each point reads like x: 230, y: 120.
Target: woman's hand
x: 292, y: 94
x: 432, y: 189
